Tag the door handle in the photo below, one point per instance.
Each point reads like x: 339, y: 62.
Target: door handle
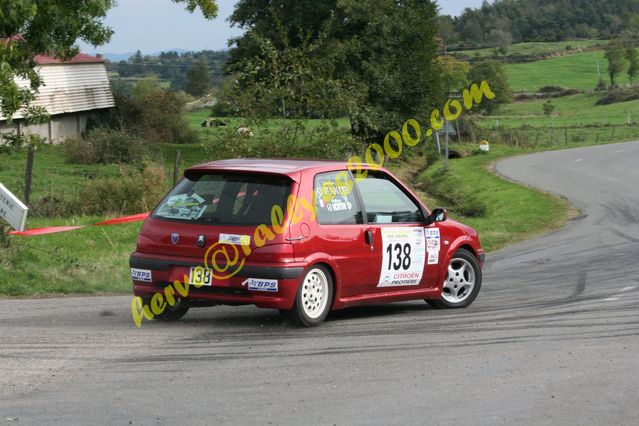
x: 368, y: 235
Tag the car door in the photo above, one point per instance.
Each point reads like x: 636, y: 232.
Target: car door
x: 341, y: 231
x: 405, y: 251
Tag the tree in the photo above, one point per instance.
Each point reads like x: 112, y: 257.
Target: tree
x: 198, y: 79
x: 388, y: 71
x: 32, y: 27
x: 454, y: 73
x: 446, y: 30
x: 616, y: 60
x: 495, y: 75
x: 136, y: 63
x: 633, y: 63
x: 544, y: 20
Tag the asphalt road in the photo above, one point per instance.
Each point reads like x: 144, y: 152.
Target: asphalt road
x: 552, y: 339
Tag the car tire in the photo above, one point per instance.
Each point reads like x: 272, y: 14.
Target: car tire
x: 462, y: 283
x: 314, y: 297
x: 173, y: 313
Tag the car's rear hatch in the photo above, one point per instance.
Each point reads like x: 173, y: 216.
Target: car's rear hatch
x: 210, y: 207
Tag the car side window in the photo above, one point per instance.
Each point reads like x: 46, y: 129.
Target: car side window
x: 385, y: 202
x: 335, y: 199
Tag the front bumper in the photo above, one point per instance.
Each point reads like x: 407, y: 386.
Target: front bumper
x: 224, y: 290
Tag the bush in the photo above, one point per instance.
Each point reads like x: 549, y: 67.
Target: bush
x: 550, y: 89
x: 548, y: 107
x: 117, y: 146
x: 106, y: 146
x: 601, y: 86
x: 133, y: 192
x: 50, y: 205
x: 79, y: 151
x: 619, y: 96
x: 285, y: 139
x: 156, y: 112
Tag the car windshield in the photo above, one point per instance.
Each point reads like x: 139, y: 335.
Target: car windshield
x: 225, y: 199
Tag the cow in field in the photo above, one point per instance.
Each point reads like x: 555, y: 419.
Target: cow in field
x: 245, y: 131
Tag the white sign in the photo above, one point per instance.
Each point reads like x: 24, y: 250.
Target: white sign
x: 12, y: 210
x: 404, y: 256
x: 141, y: 275
x: 255, y: 284
x: 432, y: 245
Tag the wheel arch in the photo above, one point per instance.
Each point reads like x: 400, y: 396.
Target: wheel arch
x: 461, y: 243
x: 469, y: 248
x: 334, y: 276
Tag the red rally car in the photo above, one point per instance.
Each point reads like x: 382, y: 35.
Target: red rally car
x: 304, y: 237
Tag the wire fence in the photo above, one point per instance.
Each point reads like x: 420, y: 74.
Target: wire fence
x: 532, y: 137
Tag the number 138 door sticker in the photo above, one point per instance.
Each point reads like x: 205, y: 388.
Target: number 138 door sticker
x: 404, y: 256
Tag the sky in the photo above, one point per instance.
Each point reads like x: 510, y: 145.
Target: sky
x: 156, y: 25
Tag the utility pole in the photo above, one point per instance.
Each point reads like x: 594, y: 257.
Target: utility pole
x: 446, y: 128
x: 28, y: 176
x: 439, y: 147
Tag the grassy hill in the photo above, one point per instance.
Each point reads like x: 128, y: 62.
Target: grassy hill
x: 574, y: 111
x: 576, y: 118
x: 576, y: 71
x: 535, y: 48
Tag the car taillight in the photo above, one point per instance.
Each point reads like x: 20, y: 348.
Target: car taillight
x: 279, y: 253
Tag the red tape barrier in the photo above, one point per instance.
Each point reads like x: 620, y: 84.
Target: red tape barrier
x: 56, y: 229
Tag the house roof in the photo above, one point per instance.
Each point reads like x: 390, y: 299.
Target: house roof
x: 80, y: 58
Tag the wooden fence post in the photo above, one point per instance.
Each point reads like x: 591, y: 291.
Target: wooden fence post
x: 28, y: 174
x: 612, y: 138
x: 597, y: 141
x: 566, y: 136
x: 176, y: 166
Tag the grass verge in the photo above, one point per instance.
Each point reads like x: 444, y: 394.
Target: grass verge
x: 91, y: 260
x: 512, y: 212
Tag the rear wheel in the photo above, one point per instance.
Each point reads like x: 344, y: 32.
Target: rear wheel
x: 173, y: 313
x: 314, y: 296
x: 462, y: 283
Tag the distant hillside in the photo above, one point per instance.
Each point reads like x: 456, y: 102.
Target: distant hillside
x: 171, y: 66
x: 117, y: 57
x: 508, y: 21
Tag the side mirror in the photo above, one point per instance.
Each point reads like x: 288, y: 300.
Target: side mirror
x: 437, y: 215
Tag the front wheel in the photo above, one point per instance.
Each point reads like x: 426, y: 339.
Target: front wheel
x: 462, y: 283
x: 314, y: 296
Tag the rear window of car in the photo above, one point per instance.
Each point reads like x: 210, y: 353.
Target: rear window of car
x: 225, y: 199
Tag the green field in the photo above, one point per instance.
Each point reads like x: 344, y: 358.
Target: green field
x: 52, y: 174
x: 535, y: 48
x: 575, y: 71
x: 85, y: 261
x: 575, y: 111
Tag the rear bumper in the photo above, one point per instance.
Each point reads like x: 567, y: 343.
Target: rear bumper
x: 227, y: 290
x: 247, y: 271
